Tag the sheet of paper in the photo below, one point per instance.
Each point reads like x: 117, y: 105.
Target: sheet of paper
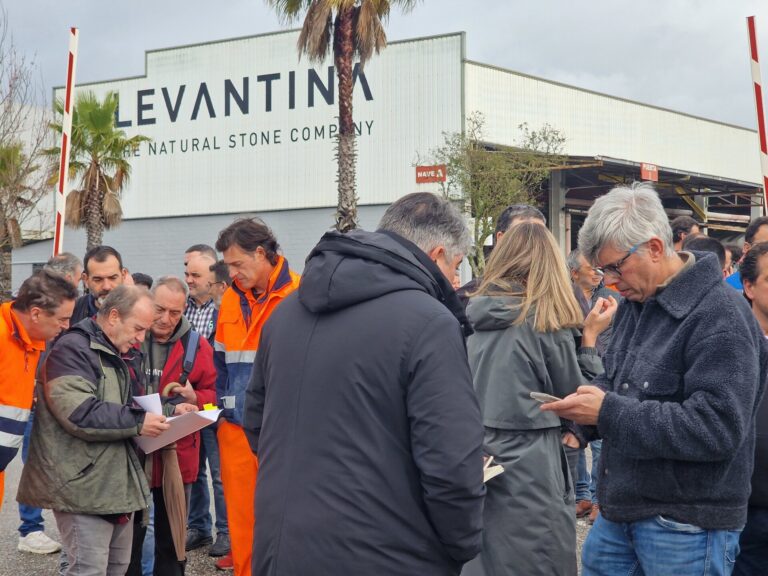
x: 492, y: 472
x: 180, y: 426
x: 151, y: 403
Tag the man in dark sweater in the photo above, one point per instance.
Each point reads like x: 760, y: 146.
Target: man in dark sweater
x: 684, y: 374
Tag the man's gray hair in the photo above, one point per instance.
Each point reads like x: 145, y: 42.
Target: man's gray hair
x: 173, y: 283
x: 573, y: 260
x: 428, y: 221
x: 122, y: 299
x: 623, y: 218
x: 64, y: 263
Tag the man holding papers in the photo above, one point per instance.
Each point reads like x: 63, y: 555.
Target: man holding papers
x: 82, y: 462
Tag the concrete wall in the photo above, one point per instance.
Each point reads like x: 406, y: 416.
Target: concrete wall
x: 156, y: 246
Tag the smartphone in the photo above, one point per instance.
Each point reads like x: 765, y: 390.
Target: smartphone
x: 544, y: 398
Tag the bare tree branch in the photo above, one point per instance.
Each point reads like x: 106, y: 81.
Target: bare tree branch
x: 24, y: 133
x: 488, y: 178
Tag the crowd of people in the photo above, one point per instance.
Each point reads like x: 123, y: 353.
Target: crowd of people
x: 362, y: 401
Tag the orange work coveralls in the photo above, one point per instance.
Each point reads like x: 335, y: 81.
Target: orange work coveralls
x: 19, y: 355
x: 241, y: 316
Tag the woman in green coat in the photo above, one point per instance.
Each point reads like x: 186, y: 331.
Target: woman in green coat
x: 527, y: 339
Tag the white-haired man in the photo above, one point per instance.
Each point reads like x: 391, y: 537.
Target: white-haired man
x: 684, y: 373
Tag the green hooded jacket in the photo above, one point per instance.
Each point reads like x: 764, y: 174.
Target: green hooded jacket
x: 82, y: 457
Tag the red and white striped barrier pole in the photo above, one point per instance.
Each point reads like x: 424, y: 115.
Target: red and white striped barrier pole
x: 757, y: 82
x: 66, y: 138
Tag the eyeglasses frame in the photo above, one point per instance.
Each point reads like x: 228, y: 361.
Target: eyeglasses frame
x: 615, y: 268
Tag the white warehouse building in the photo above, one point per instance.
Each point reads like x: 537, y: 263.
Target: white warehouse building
x: 243, y: 127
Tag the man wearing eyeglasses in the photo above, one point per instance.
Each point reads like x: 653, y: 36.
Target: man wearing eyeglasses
x: 684, y: 373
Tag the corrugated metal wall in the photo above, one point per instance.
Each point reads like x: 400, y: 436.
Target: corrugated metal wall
x: 280, y: 154
x: 596, y: 124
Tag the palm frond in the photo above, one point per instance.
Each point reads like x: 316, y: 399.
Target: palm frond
x: 315, y: 37
x: 289, y: 11
x: 111, y: 210
x: 368, y: 30
x: 73, y: 210
x: 14, y: 232
x: 118, y: 181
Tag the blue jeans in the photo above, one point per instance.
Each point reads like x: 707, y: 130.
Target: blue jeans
x: 148, y: 548
x: 586, y: 481
x: 658, y: 546
x: 199, y: 516
x: 31, y: 517
x: 753, y: 559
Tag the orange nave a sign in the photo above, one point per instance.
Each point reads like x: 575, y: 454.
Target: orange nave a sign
x: 427, y: 174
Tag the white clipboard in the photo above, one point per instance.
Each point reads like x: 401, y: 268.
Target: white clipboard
x: 180, y: 425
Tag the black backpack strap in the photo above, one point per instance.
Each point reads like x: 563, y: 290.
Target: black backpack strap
x: 190, y: 342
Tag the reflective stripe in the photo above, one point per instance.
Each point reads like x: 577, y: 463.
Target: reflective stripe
x: 14, y: 413
x: 218, y: 346
x: 244, y: 356
x: 12, y: 426
x: 11, y: 440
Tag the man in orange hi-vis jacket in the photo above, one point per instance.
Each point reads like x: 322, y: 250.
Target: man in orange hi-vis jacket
x: 261, y: 279
x: 40, y: 311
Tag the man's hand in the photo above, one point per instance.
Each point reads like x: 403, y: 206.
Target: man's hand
x: 570, y: 440
x: 186, y: 392
x: 183, y: 408
x: 598, y: 320
x: 582, y: 407
x: 154, y: 425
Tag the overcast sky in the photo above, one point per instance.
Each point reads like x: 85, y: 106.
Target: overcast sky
x: 687, y: 55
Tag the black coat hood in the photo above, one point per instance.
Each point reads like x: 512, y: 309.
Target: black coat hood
x: 346, y: 269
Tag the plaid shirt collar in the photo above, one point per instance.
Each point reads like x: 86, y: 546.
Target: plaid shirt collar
x: 201, y: 317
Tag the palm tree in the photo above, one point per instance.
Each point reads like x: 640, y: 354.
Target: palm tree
x: 98, y: 157
x: 357, y: 30
x: 19, y: 193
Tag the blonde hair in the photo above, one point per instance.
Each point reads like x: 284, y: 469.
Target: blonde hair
x: 527, y: 263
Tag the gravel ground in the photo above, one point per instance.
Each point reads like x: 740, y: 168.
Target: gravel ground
x: 15, y: 563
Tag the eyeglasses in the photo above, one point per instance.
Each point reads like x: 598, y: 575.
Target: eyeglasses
x: 615, y: 268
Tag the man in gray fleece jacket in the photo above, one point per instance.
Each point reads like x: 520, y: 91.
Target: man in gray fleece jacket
x: 684, y: 374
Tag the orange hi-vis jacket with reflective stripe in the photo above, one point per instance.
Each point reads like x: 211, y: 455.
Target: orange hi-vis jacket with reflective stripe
x: 19, y: 355
x: 241, y: 316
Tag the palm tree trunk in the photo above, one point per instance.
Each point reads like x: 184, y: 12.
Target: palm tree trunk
x: 94, y: 223
x: 346, y: 211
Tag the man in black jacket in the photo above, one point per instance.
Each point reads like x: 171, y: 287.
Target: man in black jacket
x: 361, y: 408
x: 514, y: 214
x: 753, y: 558
x: 103, y: 271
